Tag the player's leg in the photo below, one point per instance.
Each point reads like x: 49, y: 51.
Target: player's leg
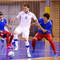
x: 25, y: 35
x: 11, y: 38
x: 10, y: 35
x: 2, y: 39
x: 7, y: 34
x: 16, y: 33
x: 3, y: 34
x: 49, y: 37
x: 36, y: 37
x: 2, y: 42
x: 15, y: 41
x: 27, y: 47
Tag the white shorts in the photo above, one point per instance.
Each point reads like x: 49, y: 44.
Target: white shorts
x: 22, y: 30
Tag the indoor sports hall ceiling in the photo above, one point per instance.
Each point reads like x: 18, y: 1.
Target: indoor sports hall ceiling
x: 23, y: 0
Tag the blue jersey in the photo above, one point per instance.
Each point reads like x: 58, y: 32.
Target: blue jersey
x: 47, y: 26
x: 2, y: 24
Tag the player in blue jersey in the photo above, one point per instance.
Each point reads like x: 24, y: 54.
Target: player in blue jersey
x: 45, y: 32
x: 3, y: 32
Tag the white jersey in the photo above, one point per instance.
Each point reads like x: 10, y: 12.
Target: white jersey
x: 25, y: 19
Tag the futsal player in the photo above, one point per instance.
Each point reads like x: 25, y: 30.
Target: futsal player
x: 3, y: 39
x: 45, y: 32
x: 4, y: 33
x: 23, y: 28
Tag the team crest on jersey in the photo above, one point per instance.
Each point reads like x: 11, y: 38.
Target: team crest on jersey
x: 26, y: 17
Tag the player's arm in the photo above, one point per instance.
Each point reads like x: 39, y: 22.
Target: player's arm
x: 36, y: 22
x: 15, y: 19
x: 5, y: 22
x: 6, y: 25
x: 18, y: 17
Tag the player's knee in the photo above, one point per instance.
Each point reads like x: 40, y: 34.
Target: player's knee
x: 34, y: 39
x: 11, y: 35
x: 4, y: 35
x: 15, y: 36
x: 27, y: 44
x: 15, y: 33
x: 25, y: 39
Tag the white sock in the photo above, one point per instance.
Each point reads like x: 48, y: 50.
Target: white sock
x: 15, y: 36
x: 27, y: 46
x: 15, y: 40
x: 26, y: 43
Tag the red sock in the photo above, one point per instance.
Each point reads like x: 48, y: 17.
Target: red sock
x: 53, y: 46
x: 7, y: 40
x: 11, y: 38
x: 33, y: 43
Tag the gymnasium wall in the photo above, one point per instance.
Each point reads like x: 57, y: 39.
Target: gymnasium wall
x: 10, y: 10
x: 55, y: 9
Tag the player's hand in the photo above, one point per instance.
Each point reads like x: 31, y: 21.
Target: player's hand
x: 12, y: 21
x: 15, y: 19
x: 44, y: 30
x: 33, y: 24
x: 9, y: 27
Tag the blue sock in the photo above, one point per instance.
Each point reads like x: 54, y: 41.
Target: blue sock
x: 33, y: 51
x: 2, y: 46
x: 55, y: 55
x: 13, y: 43
x: 2, y: 41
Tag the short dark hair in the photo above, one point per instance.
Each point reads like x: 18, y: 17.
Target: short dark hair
x: 46, y: 15
x: 1, y: 13
x: 26, y: 5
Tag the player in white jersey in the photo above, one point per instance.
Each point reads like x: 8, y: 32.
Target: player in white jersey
x: 23, y: 28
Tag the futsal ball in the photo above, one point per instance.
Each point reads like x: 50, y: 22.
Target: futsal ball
x: 11, y: 54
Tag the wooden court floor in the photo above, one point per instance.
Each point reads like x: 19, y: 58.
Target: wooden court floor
x: 44, y: 58
x: 43, y: 51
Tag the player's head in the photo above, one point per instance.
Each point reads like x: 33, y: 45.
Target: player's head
x: 1, y: 14
x: 46, y: 16
x: 26, y: 8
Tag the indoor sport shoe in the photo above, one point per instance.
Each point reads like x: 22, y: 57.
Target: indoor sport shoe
x: 28, y: 55
x: 55, y: 55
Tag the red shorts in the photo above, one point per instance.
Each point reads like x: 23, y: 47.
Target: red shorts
x: 4, y: 32
x: 39, y: 36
